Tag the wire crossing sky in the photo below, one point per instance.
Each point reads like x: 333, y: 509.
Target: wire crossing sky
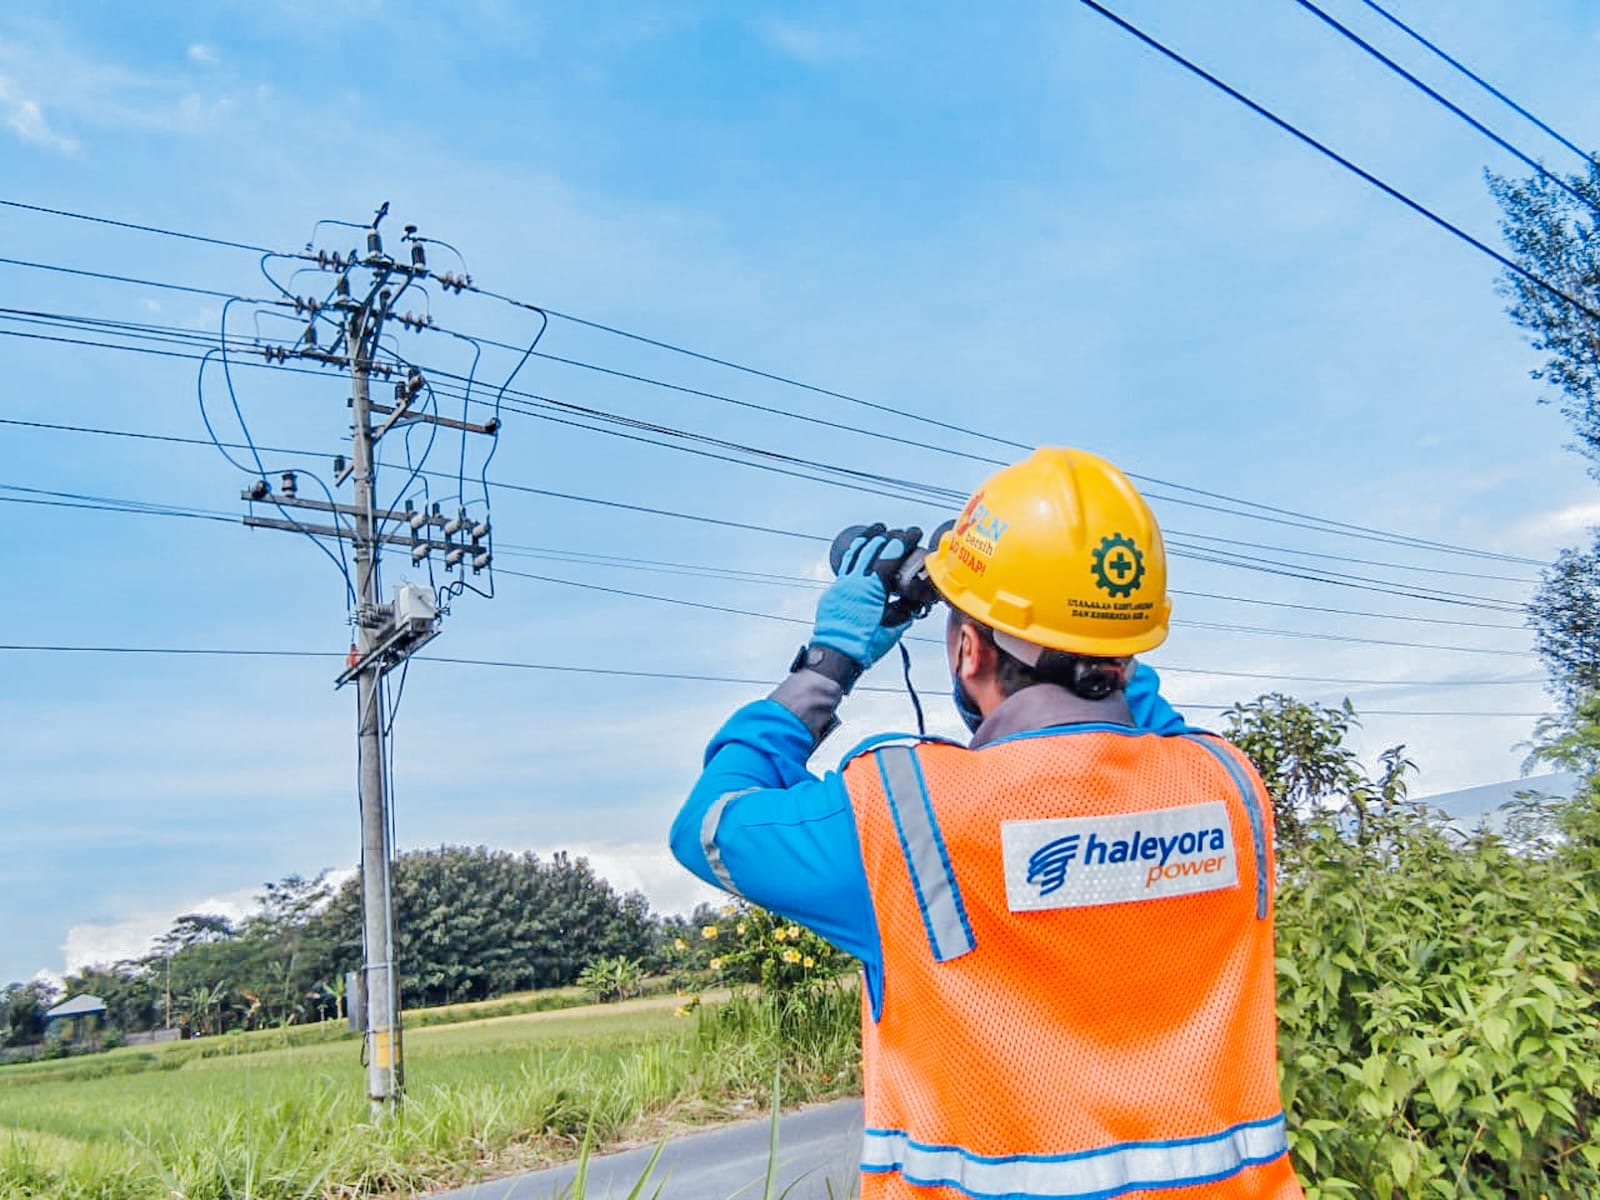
x: 799, y: 273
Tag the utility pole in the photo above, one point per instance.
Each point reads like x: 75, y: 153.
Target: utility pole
x: 385, y: 634
x: 385, y: 1078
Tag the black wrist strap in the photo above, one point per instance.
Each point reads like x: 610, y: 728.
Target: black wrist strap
x: 829, y: 663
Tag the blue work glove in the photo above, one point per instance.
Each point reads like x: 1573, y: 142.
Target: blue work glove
x: 850, y: 613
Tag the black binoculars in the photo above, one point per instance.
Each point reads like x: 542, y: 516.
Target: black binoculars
x: 905, y: 576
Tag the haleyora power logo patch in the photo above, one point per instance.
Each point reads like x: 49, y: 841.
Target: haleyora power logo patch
x: 1074, y: 862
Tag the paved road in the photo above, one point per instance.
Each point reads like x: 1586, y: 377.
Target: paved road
x: 819, y: 1147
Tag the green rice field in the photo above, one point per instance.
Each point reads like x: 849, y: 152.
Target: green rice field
x: 484, y: 1097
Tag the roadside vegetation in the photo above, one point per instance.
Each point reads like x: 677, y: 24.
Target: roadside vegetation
x: 483, y: 1098
x: 1439, y: 1027
x: 1439, y: 992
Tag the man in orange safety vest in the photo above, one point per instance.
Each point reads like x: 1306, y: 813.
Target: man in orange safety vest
x: 1066, y: 924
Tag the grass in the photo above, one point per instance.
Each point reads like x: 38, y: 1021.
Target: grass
x: 484, y: 1097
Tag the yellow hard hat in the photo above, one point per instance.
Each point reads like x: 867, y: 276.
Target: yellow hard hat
x: 1058, y: 551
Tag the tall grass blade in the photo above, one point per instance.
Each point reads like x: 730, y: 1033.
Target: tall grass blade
x: 644, y: 1178
x: 772, y: 1135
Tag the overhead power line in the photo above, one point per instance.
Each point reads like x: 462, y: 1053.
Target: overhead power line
x: 1356, y: 39
x: 1278, y: 514
x: 1209, y: 625
x: 648, y: 432
x: 616, y: 672
x: 55, y: 499
x: 559, y: 554
x: 1328, y: 152
x: 1476, y: 78
x: 1253, y: 509
x: 1203, y: 554
x: 574, y: 557
x: 171, y: 233
x: 109, y: 278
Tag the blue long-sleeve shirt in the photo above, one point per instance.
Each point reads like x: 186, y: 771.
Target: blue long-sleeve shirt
x: 759, y: 824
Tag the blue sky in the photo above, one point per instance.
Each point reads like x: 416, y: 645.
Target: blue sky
x: 1018, y: 221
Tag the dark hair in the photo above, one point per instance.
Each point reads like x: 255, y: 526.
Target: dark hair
x: 1082, y: 675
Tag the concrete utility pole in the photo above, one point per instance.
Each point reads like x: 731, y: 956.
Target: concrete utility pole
x: 385, y: 1070
x: 385, y: 634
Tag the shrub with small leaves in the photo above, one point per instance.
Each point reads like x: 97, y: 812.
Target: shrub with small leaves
x: 1439, y: 1013
x: 755, y: 946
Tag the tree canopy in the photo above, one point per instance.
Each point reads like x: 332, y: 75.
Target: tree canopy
x: 1556, y: 237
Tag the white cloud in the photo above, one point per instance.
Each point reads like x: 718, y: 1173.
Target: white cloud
x: 95, y: 943
x: 53, y: 978
x: 25, y: 118
x: 646, y: 867
x: 1560, y: 523
x: 200, y: 52
x: 48, y: 74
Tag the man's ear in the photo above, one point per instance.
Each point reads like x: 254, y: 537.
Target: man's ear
x: 976, y: 654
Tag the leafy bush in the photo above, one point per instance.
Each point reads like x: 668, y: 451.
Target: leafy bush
x: 612, y: 978
x: 753, y: 946
x: 54, y: 1046
x: 1439, y: 1013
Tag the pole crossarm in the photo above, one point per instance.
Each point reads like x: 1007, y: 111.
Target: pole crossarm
x: 350, y: 510
x: 466, y: 549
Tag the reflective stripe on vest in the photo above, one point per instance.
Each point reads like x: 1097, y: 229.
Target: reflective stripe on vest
x: 1097, y: 1174
x: 932, y: 878
x: 1252, y: 806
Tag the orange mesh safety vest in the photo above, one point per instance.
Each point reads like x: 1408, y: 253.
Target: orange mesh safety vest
x: 1078, y: 971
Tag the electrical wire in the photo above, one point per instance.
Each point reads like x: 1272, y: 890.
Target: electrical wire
x: 339, y: 559
x: 1321, y: 524
x: 1217, y: 557
x: 1333, y: 155
x: 77, y: 500
x: 614, y: 672
x: 172, y: 233
x: 1231, y: 561
x: 925, y: 493
x: 1476, y: 78
x: 1356, y: 39
x: 1208, y: 625
x: 1278, y: 514
x: 109, y: 278
x: 1367, y: 562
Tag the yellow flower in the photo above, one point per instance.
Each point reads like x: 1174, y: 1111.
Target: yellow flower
x: 791, y: 956
x: 709, y: 932
x: 716, y: 964
x: 794, y: 933
x: 679, y: 944
x: 739, y: 928
x: 808, y: 962
x: 681, y: 1011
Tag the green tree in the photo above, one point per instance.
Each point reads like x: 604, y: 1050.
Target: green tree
x: 1556, y: 237
x: 1300, y: 751
x: 473, y: 922
x: 1565, y: 615
x: 22, y: 1009
x: 280, y: 949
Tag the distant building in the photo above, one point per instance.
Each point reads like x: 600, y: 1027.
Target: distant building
x: 1472, y: 807
x: 83, y: 1016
